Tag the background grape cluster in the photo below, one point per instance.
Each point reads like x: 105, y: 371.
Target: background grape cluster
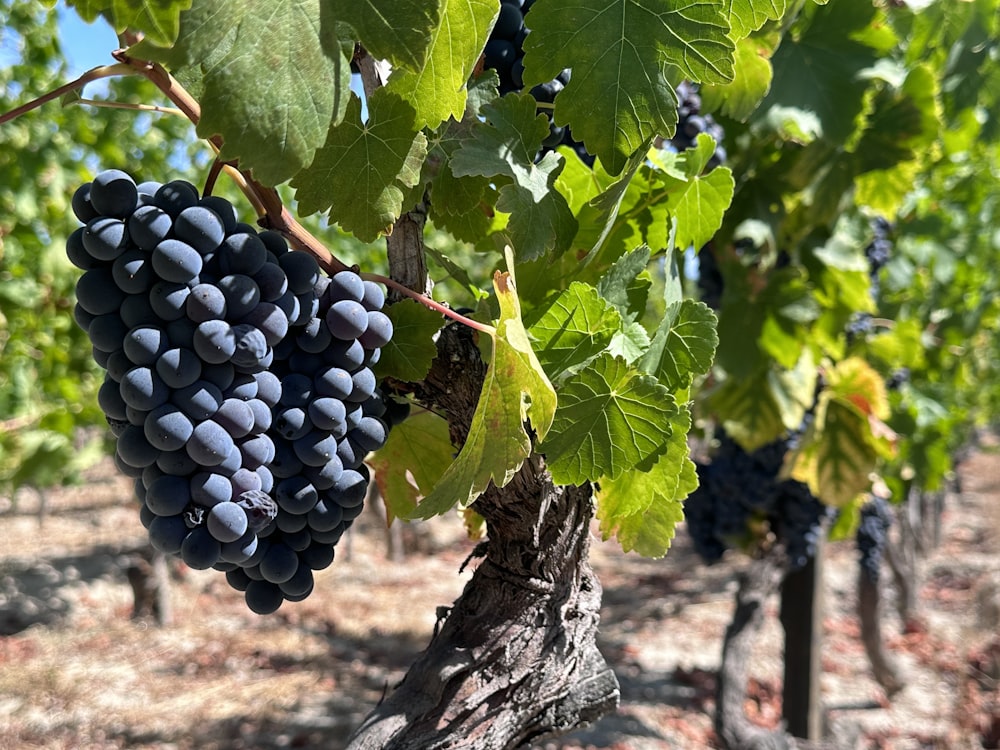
x: 740, y: 498
x: 504, y: 53
x: 873, y: 534
x: 238, y: 381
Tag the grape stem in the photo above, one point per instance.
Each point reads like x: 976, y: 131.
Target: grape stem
x: 276, y: 216
x: 265, y: 199
x: 430, y: 303
x: 94, y: 74
x: 129, y: 105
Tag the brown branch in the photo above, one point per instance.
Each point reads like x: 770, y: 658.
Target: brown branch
x: 94, y: 74
x: 276, y: 217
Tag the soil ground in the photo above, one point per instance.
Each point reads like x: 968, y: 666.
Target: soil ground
x: 77, y: 672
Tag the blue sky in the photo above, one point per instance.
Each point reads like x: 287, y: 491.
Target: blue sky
x: 85, y: 45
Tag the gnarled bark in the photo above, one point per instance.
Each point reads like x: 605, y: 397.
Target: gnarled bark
x: 884, y: 670
x: 516, y: 658
x: 759, y: 583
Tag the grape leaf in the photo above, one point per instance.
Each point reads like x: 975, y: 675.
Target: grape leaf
x: 683, y: 345
x: 409, y: 354
x: 740, y: 97
x: 506, y: 144
x: 855, y: 381
x: 643, y: 508
x: 437, y: 89
x: 699, y: 204
x: 610, y: 418
x: 362, y: 170
x: 836, y: 457
x: 619, y: 52
x: 413, y: 459
x: 746, y: 16
x: 762, y: 405
x: 157, y: 19
x: 625, y: 285
x: 576, y: 327
x: 396, y: 30
x: 630, y: 343
x: 286, y: 75
x: 202, y: 35
x: 602, y: 211
x: 818, y: 73
x: 536, y: 228
x: 515, y: 390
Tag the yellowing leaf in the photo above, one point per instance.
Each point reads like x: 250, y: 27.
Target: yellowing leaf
x: 515, y: 392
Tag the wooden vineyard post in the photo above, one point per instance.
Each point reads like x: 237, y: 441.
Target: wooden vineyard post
x: 802, y: 619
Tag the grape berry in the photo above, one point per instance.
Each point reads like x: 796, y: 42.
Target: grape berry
x: 238, y: 381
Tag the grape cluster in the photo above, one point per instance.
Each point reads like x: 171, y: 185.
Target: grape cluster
x: 238, y: 381
x: 897, y: 378
x: 878, y: 251
x: 872, y: 535
x: 691, y: 122
x: 504, y: 53
x: 710, y: 279
x: 740, y: 495
x: 859, y: 326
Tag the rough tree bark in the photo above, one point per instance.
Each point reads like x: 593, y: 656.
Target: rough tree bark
x: 516, y: 658
x: 758, y: 583
x: 884, y: 670
x: 149, y: 576
x: 902, y: 552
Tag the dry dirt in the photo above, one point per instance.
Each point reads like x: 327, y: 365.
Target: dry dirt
x: 77, y: 672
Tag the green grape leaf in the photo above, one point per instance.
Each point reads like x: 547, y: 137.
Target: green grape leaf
x: 630, y: 343
x: 537, y: 228
x: 515, y: 391
x: 506, y: 144
x: 362, y: 170
x: 642, y: 508
x: 158, y: 20
x: 740, y: 97
x: 601, y: 213
x: 790, y: 304
x: 747, y: 16
x: 273, y: 96
x: 413, y: 459
x: 683, y: 345
x: 699, y: 205
x: 409, y: 354
x: 207, y: 31
x: 437, y: 90
x: 619, y: 52
x: 626, y: 285
x: 817, y: 83
x: 576, y: 327
x: 610, y: 419
x: 761, y: 406
x: 396, y: 30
